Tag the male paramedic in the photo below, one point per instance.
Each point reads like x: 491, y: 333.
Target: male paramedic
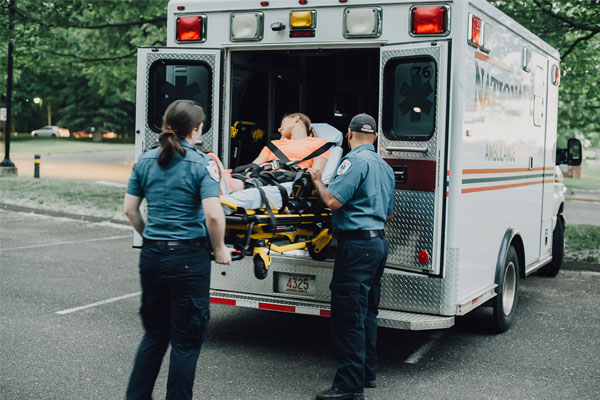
x: 361, y: 195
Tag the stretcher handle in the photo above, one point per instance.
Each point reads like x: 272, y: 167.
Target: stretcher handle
x: 238, y: 252
x: 236, y: 255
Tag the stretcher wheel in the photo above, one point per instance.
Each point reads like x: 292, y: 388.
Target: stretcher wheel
x: 320, y: 256
x: 260, y: 269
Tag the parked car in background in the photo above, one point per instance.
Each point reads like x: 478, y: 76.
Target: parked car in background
x: 89, y: 133
x: 51, y: 131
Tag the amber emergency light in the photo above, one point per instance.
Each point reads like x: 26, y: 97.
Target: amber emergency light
x: 302, y: 20
x: 429, y: 20
x: 191, y: 29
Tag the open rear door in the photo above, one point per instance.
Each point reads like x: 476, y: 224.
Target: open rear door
x: 168, y: 74
x: 413, y: 140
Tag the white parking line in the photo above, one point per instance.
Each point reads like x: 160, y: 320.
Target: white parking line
x: 75, y: 309
x: 64, y: 243
x: 424, y: 349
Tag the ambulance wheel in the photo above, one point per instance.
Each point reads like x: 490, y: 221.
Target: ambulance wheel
x: 260, y: 269
x: 505, y: 302
x: 320, y: 256
x: 558, y: 250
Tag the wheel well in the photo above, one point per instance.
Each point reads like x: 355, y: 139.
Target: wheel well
x: 517, y: 243
x: 560, y: 209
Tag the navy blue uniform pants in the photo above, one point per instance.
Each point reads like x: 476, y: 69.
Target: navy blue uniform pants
x: 175, y: 309
x: 355, y: 291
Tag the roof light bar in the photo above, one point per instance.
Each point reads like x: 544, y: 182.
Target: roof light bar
x: 362, y: 22
x: 429, y: 20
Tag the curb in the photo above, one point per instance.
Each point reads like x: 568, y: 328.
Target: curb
x: 86, y: 218
x: 580, y: 266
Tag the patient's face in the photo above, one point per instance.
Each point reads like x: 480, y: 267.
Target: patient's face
x: 287, y: 125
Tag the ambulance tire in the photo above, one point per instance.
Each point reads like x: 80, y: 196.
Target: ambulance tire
x: 558, y: 250
x: 260, y: 270
x: 505, y: 302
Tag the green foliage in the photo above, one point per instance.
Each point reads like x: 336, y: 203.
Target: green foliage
x: 572, y: 27
x: 582, y: 243
x: 79, y: 56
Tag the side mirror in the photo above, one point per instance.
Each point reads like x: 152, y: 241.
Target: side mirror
x: 574, y: 156
x: 571, y: 155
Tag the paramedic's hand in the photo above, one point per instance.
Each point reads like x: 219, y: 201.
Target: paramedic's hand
x: 223, y: 255
x: 315, y: 174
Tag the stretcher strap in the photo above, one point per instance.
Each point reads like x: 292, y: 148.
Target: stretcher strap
x: 292, y: 164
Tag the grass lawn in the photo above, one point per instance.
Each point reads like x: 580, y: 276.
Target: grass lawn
x: 590, y: 178
x: 62, y: 145
x: 62, y: 195
x: 582, y: 243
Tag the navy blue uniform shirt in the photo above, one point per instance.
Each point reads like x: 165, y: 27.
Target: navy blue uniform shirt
x: 364, y: 184
x: 174, y: 194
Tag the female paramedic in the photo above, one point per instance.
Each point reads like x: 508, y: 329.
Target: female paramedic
x: 181, y: 187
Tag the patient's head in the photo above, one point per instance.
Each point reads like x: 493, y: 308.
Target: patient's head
x: 296, y: 126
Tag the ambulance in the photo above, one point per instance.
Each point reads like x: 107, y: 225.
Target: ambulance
x: 466, y: 101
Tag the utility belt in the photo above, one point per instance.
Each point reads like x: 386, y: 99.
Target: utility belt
x: 174, y: 243
x: 360, y: 234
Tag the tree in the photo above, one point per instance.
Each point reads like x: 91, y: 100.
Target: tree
x: 80, y: 56
x: 572, y: 27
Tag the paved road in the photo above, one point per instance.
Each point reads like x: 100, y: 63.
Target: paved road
x: 50, y: 264
x: 582, y: 212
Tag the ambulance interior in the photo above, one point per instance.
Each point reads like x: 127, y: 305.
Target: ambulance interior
x: 330, y: 86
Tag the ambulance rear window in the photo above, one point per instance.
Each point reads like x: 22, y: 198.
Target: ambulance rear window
x: 409, y: 98
x: 172, y: 80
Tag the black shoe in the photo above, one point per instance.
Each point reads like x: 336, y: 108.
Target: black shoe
x: 337, y: 394
x: 371, y: 384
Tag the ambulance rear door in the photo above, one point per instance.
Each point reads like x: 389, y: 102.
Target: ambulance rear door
x: 168, y: 74
x: 413, y: 140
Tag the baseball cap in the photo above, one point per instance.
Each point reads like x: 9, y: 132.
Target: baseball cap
x: 359, y: 121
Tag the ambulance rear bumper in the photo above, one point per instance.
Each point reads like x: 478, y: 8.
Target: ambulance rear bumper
x: 387, y: 318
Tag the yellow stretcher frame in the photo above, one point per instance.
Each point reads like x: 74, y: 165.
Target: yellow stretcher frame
x: 252, y: 233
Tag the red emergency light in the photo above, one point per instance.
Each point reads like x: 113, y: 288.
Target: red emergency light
x: 555, y: 75
x: 190, y: 29
x: 475, y: 32
x: 429, y: 20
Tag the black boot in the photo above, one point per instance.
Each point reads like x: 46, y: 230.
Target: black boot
x: 337, y: 394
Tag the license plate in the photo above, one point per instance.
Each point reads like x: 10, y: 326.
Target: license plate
x: 296, y: 284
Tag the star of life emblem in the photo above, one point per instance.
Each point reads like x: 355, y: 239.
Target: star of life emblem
x: 344, y: 167
x: 213, y: 170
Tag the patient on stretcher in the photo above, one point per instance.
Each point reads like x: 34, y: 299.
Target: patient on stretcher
x: 284, y: 215
x: 298, y: 141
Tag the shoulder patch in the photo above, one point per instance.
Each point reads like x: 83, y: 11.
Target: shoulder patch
x: 213, y: 170
x: 344, y: 167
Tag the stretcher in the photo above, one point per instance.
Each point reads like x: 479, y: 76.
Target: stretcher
x: 283, y: 217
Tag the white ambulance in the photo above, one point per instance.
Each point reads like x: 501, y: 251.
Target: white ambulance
x: 466, y: 100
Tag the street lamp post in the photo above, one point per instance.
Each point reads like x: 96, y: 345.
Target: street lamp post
x: 7, y: 167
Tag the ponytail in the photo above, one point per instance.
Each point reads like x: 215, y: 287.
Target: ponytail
x: 181, y: 117
x: 169, y: 144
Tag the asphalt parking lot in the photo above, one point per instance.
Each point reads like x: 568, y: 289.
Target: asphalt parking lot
x: 69, y: 330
